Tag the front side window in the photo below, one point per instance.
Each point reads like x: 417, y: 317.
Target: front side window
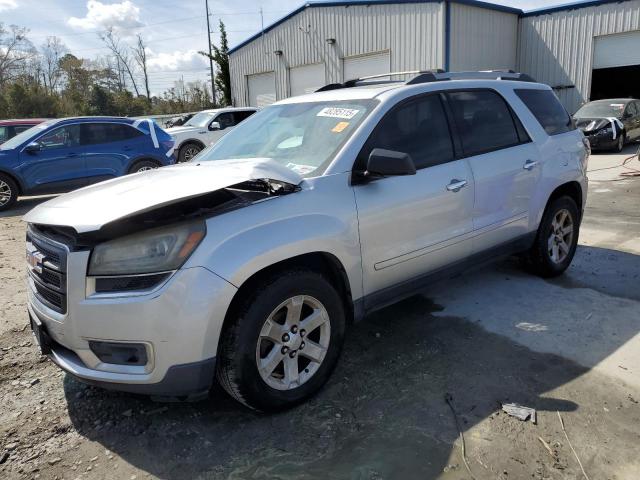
x: 417, y: 127
x: 63, y: 137
x: 4, y: 134
x: 304, y: 137
x: 483, y: 120
x: 225, y: 120
x: 243, y: 115
x: 545, y: 106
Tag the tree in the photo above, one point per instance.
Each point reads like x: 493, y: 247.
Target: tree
x: 140, y: 55
x: 52, y: 51
x: 114, y: 44
x: 221, y: 57
x: 15, y: 51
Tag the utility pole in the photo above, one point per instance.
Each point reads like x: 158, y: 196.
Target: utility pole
x: 213, y: 83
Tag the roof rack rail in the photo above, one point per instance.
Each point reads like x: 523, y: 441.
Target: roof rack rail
x: 427, y: 76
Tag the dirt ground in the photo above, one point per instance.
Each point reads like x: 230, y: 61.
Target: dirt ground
x: 568, y: 347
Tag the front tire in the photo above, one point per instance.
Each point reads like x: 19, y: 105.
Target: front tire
x: 8, y: 192
x: 620, y: 145
x: 188, y: 152
x: 556, y: 240
x: 143, y: 166
x: 282, y: 342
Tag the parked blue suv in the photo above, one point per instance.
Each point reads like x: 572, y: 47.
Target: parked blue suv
x: 61, y: 155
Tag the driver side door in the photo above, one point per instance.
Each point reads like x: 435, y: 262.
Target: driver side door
x: 226, y: 121
x: 58, y: 166
x: 414, y: 225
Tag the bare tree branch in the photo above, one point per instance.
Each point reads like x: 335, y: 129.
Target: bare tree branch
x: 114, y: 44
x: 140, y: 56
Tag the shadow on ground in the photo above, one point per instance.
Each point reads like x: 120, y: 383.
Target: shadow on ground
x: 23, y: 205
x: 382, y: 415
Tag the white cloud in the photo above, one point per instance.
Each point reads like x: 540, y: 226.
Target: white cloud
x: 119, y: 16
x: 8, y: 5
x: 189, y: 60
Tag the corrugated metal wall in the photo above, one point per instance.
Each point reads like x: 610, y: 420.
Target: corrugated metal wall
x: 557, y: 48
x: 413, y: 33
x: 482, y: 39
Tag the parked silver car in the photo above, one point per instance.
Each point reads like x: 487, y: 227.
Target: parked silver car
x: 248, y: 263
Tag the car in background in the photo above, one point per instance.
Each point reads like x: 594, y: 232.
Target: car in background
x: 61, y: 155
x: 204, y: 129
x: 11, y: 128
x: 179, y: 120
x: 609, y: 124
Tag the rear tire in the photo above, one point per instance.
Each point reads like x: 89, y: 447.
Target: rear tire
x: 8, y: 192
x: 189, y: 151
x: 267, y: 360
x: 143, y: 166
x: 556, y: 240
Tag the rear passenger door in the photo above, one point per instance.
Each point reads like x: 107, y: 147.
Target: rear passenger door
x: 416, y: 224
x: 108, y: 149
x: 504, y: 161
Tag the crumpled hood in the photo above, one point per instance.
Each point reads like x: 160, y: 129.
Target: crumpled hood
x: 90, y: 208
x: 591, y: 124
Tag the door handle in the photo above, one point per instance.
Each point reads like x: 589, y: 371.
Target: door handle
x: 456, y: 185
x: 529, y: 164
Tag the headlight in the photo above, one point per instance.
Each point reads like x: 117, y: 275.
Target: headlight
x: 156, y: 250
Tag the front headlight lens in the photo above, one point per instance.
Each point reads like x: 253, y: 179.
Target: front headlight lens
x: 151, y: 251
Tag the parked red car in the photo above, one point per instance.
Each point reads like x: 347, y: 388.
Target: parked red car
x: 11, y: 128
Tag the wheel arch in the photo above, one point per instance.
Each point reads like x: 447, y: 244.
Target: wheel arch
x: 190, y: 140
x: 16, y: 180
x: 571, y: 189
x: 135, y: 161
x: 324, y: 263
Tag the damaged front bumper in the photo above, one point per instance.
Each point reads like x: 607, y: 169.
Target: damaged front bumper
x: 177, y: 326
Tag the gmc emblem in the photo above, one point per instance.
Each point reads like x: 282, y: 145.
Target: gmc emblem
x: 34, y: 259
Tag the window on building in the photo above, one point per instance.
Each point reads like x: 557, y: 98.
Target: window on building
x: 417, y: 127
x: 545, y: 106
x: 483, y: 120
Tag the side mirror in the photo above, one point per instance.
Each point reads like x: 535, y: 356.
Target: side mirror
x: 387, y: 163
x: 215, y: 126
x: 33, y: 147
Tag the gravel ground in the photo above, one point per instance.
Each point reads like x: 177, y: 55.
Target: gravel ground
x: 569, y: 345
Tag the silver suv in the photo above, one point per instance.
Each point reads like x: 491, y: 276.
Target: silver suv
x: 248, y: 263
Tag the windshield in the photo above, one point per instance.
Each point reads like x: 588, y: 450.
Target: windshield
x: 301, y: 136
x: 601, y: 109
x: 26, y: 135
x: 201, y: 119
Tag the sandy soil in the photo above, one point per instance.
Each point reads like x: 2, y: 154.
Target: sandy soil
x: 498, y: 335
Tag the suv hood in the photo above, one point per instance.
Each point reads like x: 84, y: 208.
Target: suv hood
x: 90, y: 208
x: 183, y: 129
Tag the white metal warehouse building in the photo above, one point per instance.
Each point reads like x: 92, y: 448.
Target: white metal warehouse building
x: 584, y: 51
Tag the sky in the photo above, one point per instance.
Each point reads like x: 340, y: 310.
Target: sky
x: 175, y: 30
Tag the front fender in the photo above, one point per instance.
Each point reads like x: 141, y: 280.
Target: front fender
x: 319, y: 219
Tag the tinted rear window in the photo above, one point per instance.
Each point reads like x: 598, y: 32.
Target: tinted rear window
x: 484, y: 121
x: 544, y: 105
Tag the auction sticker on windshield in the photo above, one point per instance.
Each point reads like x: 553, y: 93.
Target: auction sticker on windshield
x: 335, y: 112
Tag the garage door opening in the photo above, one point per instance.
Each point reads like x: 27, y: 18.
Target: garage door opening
x: 618, y: 82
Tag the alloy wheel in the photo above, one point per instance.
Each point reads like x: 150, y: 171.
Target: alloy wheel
x: 145, y: 169
x: 190, y: 152
x: 5, y: 193
x: 561, y: 236
x: 293, y: 342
